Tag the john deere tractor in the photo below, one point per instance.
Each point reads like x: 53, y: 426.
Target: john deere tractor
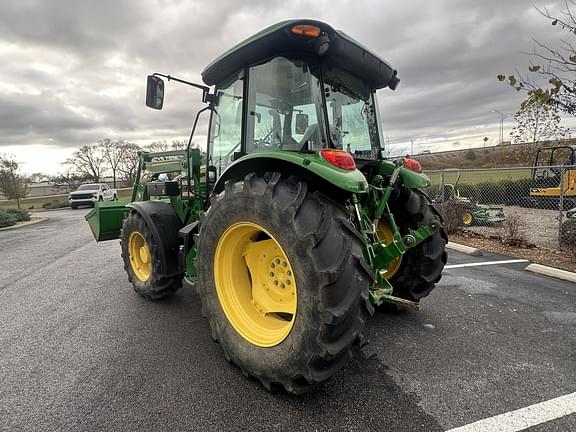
x: 472, y: 213
x: 292, y: 226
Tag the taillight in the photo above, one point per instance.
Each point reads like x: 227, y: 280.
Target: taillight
x: 413, y: 165
x: 339, y: 158
x: 310, y: 31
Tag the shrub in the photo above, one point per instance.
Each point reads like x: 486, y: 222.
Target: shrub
x: 512, y: 230
x: 470, y: 155
x: 568, y: 233
x: 54, y: 205
x: 6, y: 219
x: 20, y: 215
x: 452, y: 216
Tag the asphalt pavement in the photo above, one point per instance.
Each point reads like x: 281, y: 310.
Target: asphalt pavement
x: 80, y: 351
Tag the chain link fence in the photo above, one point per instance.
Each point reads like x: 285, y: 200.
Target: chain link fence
x: 518, y: 205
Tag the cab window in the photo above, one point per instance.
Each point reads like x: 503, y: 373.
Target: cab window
x: 226, y: 128
x: 284, y: 107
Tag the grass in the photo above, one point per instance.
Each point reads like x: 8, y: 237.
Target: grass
x: 480, y: 176
x: 26, y: 203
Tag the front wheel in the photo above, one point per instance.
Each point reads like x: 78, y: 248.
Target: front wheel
x: 467, y: 218
x: 142, y: 260
x: 282, y: 281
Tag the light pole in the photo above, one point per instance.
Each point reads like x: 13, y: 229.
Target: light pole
x: 502, y: 115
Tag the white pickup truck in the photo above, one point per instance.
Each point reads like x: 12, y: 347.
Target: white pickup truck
x: 89, y: 194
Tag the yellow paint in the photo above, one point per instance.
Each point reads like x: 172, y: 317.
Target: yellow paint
x: 255, y: 284
x: 569, y: 187
x: 467, y: 218
x: 140, y: 258
x: 385, y: 235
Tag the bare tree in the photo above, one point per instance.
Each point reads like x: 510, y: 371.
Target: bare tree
x: 70, y: 179
x: 113, y: 152
x: 551, y: 77
x: 162, y: 146
x: 12, y: 184
x: 128, y: 165
x: 180, y: 145
x: 88, y: 161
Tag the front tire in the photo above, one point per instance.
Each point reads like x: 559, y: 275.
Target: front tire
x: 142, y: 260
x: 251, y: 229
x: 421, y: 266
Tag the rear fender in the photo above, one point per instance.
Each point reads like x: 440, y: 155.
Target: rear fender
x: 310, y: 167
x: 164, y: 224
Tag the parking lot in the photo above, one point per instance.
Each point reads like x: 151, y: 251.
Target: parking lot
x: 81, y: 351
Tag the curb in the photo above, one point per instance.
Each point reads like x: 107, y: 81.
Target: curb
x: 552, y: 272
x: 27, y: 223
x: 464, y: 249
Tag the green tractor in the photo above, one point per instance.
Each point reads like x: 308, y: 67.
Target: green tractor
x: 292, y: 226
x: 471, y: 212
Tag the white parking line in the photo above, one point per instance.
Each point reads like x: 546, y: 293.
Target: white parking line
x: 524, y: 418
x: 485, y: 263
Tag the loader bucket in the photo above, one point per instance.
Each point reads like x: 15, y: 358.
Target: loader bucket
x: 106, y: 219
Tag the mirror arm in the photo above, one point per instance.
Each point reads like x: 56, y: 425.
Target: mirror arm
x: 206, y: 97
x: 189, y: 172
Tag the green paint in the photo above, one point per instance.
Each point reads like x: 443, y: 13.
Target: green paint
x: 411, y: 179
x: 350, y: 181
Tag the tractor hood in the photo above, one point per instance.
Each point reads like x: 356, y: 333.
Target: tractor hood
x: 332, y: 47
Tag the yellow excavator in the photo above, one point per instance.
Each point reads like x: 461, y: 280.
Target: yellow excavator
x: 554, y: 178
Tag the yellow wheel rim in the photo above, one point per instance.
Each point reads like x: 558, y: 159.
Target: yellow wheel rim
x: 385, y: 235
x: 467, y: 218
x: 140, y: 258
x: 255, y: 284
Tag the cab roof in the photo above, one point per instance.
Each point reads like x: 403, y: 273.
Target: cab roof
x: 279, y: 39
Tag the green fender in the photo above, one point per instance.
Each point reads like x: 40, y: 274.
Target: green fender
x: 306, y: 165
x: 411, y: 179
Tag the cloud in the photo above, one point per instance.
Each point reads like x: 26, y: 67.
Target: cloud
x: 76, y: 70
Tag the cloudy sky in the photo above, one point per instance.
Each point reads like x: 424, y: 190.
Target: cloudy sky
x: 73, y: 72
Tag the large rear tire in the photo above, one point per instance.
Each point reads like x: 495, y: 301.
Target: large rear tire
x: 421, y: 266
x: 297, y: 339
x: 142, y: 260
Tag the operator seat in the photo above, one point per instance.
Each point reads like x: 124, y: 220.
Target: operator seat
x: 312, y: 133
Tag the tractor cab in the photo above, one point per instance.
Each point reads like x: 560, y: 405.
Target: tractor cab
x: 299, y: 86
x: 554, y: 178
x: 547, y: 163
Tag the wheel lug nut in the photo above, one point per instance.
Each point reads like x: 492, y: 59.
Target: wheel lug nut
x: 277, y: 261
x: 284, y: 264
x: 275, y: 282
x: 272, y: 265
x: 289, y: 273
x: 271, y: 273
x: 287, y: 282
x: 282, y: 286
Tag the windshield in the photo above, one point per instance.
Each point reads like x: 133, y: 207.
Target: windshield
x: 85, y: 187
x: 352, y: 115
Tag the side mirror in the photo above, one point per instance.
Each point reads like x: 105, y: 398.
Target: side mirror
x: 301, y: 123
x: 154, y: 92
x: 212, y: 177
